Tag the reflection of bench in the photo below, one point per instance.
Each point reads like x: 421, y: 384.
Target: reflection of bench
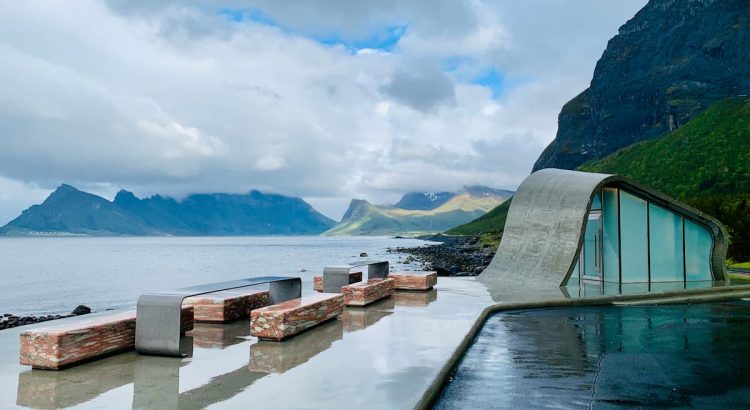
x: 157, y: 326
x: 226, y: 306
x: 414, y: 298
x: 354, y: 277
x: 286, y: 319
x: 414, y: 280
x: 270, y: 357
x: 364, y: 293
x: 58, y: 346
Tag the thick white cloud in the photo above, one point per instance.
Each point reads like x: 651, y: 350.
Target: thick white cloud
x: 166, y: 97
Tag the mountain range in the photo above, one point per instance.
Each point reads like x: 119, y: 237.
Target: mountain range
x: 70, y: 211
x: 419, y: 212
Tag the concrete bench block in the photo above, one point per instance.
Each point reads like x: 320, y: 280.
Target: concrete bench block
x: 286, y: 319
x: 354, y: 277
x: 364, y: 293
x: 226, y: 306
x: 414, y: 280
x: 58, y: 346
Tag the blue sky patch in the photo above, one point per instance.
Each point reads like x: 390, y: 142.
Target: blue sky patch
x: 384, y: 40
x: 491, y: 79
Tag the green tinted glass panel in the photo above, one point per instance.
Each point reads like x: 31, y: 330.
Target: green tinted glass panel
x: 633, y: 236
x: 665, y: 241
x: 596, y: 203
x: 610, y: 240
x: 698, y: 244
x: 591, y: 252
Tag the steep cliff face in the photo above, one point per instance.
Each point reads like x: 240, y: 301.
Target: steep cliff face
x: 666, y: 65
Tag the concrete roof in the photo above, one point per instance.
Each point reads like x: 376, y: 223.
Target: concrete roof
x: 545, y: 226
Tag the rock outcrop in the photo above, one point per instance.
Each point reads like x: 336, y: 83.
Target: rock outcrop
x: 665, y: 66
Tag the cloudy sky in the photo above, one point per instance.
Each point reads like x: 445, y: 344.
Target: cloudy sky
x: 327, y: 100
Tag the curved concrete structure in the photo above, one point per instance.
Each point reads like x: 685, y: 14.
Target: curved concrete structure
x: 545, y: 227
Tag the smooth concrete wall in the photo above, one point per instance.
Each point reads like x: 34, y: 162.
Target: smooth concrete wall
x: 544, y: 232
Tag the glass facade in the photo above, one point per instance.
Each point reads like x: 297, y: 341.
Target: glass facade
x: 611, y: 235
x: 633, y: 237
x: 629, y: 240
x: 665, y: 243
x: 698, y: 243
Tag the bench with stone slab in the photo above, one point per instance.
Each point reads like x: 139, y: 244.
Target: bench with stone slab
x: 157, y: 329
x: 364, y: 293
x: 286, y: 319
x: 227, y: 306
x: 318, y: 284
x: 63, y: 345
x: 414, y: 280
x: 376, y: 287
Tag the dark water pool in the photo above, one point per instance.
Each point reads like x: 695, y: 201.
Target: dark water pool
x: 677, y: 356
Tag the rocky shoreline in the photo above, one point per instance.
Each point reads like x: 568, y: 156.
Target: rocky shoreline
x: 9, y: 320
x: 454, y: 256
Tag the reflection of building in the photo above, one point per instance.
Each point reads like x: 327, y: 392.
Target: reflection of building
x: 634, y: 357
x: 569, y: 227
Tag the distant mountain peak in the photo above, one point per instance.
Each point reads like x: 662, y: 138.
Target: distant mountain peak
x: 65, y: 188
x: 125, y: 196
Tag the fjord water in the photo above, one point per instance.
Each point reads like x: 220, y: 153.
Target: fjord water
x: 678, y: 356
x: 49, y: 275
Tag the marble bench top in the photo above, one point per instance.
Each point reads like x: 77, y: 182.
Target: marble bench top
x: 363, y: 284
x: 67, y: 327
x: 413, y: 273
x: 294, y: 304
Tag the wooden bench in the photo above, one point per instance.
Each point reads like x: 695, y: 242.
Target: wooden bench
x: 364, y: 293
x: 58, y: 346
x: 286, y: 319
x: 414, y: 280
x: 319, y: 286
x: 226, y: 306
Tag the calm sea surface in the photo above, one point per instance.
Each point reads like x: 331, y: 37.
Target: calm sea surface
x: 54, y: 275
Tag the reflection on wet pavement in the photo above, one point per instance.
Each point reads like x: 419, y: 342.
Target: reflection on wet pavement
x: 43, y: 389
x: 278, y: 357
x: 220, y: 336
x: 691, y: 356
x: 361, y: 317
x: 414, y: 298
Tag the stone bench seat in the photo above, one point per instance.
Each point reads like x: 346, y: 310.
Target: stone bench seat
x: 414, y: 280
x: 55, y: 347
x: 286, y: 319
x: 364, y: 293
x: 226, y: 306
x: 354, y: 277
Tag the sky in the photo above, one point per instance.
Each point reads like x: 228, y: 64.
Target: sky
x: 327, y: 100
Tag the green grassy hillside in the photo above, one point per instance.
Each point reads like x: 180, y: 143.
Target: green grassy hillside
x: 705, y: 163
x: 490, y: 223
